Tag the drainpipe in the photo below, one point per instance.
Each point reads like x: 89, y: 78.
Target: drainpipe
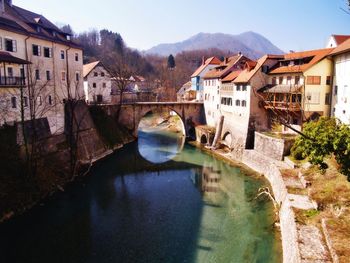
x: 67, y: 74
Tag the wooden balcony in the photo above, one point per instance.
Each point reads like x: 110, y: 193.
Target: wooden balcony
x: 282, y: 105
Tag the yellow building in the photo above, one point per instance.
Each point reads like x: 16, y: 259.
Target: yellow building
x: 48, y: 68
x: 300, y: 87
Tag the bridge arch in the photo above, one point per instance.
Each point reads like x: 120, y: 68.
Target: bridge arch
x: 227, y: 139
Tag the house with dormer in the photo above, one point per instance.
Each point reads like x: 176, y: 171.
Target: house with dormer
x: 212, y: 84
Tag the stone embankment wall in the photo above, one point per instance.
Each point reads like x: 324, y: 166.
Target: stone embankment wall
x: 269, y: 167
x: 276, y: 148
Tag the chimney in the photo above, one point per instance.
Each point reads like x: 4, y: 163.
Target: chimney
x: 203, y: 60
x: 240, y: 53
x: 226, y: 60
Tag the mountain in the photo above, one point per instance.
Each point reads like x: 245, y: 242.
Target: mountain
x: 249, y: 43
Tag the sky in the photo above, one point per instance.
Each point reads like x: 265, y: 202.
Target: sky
x: 289, y: 24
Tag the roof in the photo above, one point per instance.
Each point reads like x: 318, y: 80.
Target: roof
x: 226, y: 67
x: 87, y: 68
x: 314, y: 55
x: 344, y: 47
x: 233, y: 75
x: 19, y: 20
x: 339, y: 39
x: 252, y: 68
x: 209, y: 61
x: 7, y: 57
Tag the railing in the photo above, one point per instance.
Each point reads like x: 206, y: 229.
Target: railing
x: 12, y: 81
x: 282, y: 105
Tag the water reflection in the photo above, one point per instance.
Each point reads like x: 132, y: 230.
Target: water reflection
x: 158, y: 146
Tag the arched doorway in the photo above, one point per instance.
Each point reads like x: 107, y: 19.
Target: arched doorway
x: 227, y: 139
x: 204, y: 139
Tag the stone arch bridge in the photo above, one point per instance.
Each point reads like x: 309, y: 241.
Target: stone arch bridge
x: 191, y: 113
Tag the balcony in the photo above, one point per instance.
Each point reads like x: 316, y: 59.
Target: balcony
x: 12, y: 81
x: 282, y: 105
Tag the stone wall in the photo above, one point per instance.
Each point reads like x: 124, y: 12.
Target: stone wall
x: 276, y: 148
x: 269, y: 167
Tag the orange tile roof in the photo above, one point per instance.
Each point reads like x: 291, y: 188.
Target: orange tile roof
x: 344, y: 47
x: 224, y: 68
x: 209, y: 61
x: 340, y: 38
x: 230, y: 77
x: 317, y: 55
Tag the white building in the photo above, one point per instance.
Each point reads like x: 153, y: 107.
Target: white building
x: 336, y: 40
x: 341, y: 82
x: 97, y: 83
x: 212, y: 83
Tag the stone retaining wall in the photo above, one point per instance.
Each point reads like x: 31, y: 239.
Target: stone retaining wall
x: 269, y: 167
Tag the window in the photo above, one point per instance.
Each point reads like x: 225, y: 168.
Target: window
x: 37, y: 74
x: 103, y: 74
x: 328, y: 80
x: 94, y: 85
x: 10, y: 45
x: 36, y: 50
x: 0, y: 43
x: 104, y: 85
x: 76, y: 57
x: 238, y: 103
x: 296, y: 80
x: 327, y: 100
x: 274, y: 81
x: 280, y: 80
x: 62, y: 54
x: 335, y: 90
x: 63, y: 76
x: 238, y: 87
x: 244, y: 88
x: 95, y: 74
x: 244, y: 103
x: 14, y: 102
x: 313, y: 80
x: 47, y: 52
x: 25, y: 101
x: 77, y: 77
x: 39, y: 100
x: 49, y: 100
x: 289, y: 80
x: 10, y: 72
x: 48, y: 75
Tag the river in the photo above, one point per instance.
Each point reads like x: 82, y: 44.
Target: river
x: 155, y: 200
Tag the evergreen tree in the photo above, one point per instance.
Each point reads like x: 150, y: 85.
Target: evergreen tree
x: 171, y: 62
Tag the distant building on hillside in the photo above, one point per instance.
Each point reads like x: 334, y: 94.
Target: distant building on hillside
x: 197, y: 76
x: 336, y: 40
x: 341, y: 82
x: 97, y: 83
x: 186, y: 93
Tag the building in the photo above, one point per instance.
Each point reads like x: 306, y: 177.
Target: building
x: 197, y: 76
x: 240, y: 103
x: 97, y: 83
x: 341, y: 82
x: 336, y: 40
x: 212, y: 83
x: 299, y: 87
x: 41, y: 67
x: 186, y: 93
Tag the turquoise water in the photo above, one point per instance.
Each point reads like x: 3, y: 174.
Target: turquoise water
x: 175, y: 204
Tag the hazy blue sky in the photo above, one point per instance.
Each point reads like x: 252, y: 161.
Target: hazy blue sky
x: 289, y: 24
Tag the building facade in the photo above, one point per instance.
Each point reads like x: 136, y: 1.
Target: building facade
x: 197, y: 81
x: 53, y: 69
x: 97, y: 83
x: 341, y: 83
